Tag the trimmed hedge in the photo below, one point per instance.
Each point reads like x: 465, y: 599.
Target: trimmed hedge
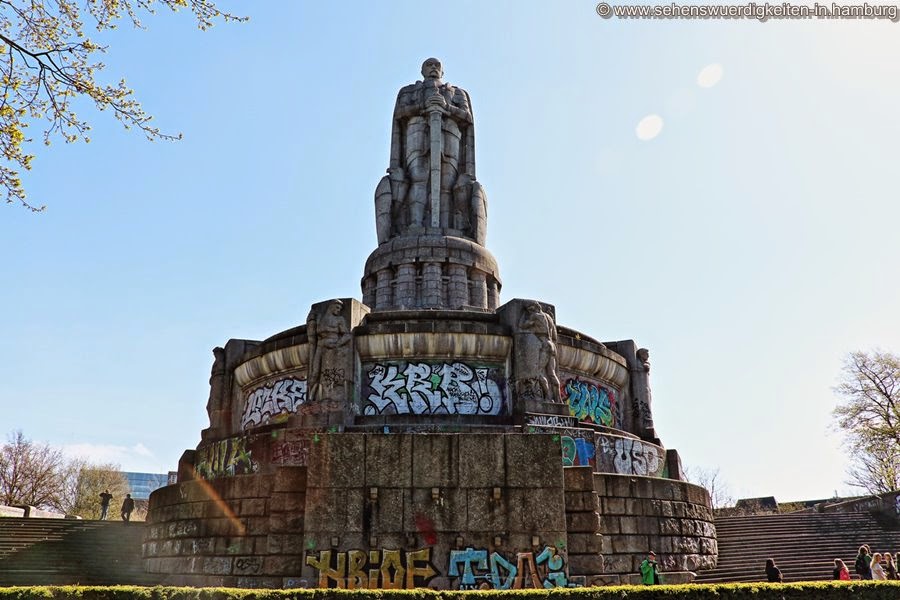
x: 869, y: 590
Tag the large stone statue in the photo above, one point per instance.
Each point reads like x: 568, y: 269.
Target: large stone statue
x: 535, y: 355
x: 329, y: 353
x: 430, y: 186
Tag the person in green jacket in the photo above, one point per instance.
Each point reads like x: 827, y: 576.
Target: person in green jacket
x: 650, y: 570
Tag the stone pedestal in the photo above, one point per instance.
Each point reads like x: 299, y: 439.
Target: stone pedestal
x: 431, y: 271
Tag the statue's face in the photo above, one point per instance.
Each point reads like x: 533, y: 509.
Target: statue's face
x: 432, y: 69
x: 336, y: 308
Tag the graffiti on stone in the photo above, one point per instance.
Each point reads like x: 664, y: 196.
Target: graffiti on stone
x: 373, y: 569
x: 628, y: 456
x: 332, y: 378
x: 247, y: 565
x: 589, y: 402
x: 549, y: 421
x: 272, y: 402
x: 295, y: 453
x: 433, y: 389
x: 225, y: 458
x: 480, y: 569
x: 577, y: 452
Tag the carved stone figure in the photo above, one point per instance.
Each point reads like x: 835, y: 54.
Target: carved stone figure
x: 329, y: 353
x: 217, y: 391
x: 535, y: 354
x: 431, y: 178
x: 643, y: 398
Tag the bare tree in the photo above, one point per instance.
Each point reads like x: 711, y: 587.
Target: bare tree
x: 84, y: 482
x: 711, y: 479
x: 30, y: 473
x: 869, y: 415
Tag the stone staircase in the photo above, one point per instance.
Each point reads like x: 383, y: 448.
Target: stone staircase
x: 804, y: 545
x: 63, y: 551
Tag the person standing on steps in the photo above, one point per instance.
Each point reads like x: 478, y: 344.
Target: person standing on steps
x: 890, y: 569
x: 127, y: 507
x: 877, y: 571
x: 841, y: 572
x: 773, y: 573
x: 650, y: 570
x: 862, y: 562
x: 105, y: 499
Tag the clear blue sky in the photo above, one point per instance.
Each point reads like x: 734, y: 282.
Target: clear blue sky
x: 750, y: 245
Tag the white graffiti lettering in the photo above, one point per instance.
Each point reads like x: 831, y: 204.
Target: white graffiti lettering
x: 280, y: 398
x: 627, y: 456
x: 549, y: 421
x: 432, y: 389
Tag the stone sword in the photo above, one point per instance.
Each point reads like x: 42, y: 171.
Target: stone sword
x: 437, y: 146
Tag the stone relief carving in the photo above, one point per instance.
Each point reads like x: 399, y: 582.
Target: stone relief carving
x: 216, y: 384
x: 535, y: 355
x: 330, y: 370
x: 642, y: 394
x: 430, y: 183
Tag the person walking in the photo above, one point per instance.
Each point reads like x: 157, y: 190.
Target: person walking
x: 773, y: 573
x: 862, y: 563
x: 650, y: 570
x: 105, y: 499
x: 127, y: 508
x: 841, y: 572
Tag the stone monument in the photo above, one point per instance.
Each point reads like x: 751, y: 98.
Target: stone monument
x: 428, y: 436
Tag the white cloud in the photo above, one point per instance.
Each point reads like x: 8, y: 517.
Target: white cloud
x: 137, y: 458
x: 142, y: 450
x: 710, y: 75
x: 649, y: 127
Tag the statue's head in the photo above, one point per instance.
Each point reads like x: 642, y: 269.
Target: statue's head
x: 432, y: 69
x: 336, y: 307
x: 643, y: 355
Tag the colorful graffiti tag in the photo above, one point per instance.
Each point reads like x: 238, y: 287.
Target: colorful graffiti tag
x: 224, y: 459
x: 470, y: 568
x: 577, y: 452
x: 269, y: 402
x: 627, y: 456
x: 590, y: 403
x: 432, y: 389
x: 478, y: 569
x: 373, y: 569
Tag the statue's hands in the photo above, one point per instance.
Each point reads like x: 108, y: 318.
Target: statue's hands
x: 436, y: 102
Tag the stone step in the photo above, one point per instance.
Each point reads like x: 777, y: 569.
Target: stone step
x: 803, y: 545
x: 61, y: 552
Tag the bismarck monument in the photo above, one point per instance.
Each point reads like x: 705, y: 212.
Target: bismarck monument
x: 428, y: 435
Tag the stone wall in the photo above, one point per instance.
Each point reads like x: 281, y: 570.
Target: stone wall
x: 212, y: 533
x: 457, y: 511
x: 434, y: 504
x: 672, y: 518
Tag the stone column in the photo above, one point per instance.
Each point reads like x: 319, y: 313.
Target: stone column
x: 368, y: 286
x: 405, y: 294
x: 458, y: 288
x: 479, y: 293
x: 383, y: 291
x: 493, y: 297
x: 432, y: 292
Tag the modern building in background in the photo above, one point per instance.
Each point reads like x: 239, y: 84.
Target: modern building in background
x: 142, y: 484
